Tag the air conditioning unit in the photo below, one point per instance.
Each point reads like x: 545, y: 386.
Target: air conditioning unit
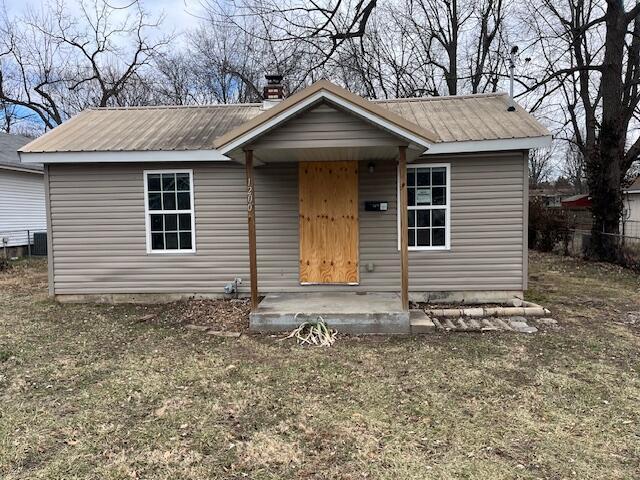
x: 39, y: 244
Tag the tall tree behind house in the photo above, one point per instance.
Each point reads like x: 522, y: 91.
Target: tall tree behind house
x: 589, y: 52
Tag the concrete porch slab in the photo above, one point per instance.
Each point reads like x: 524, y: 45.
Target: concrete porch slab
x: 347, y: 312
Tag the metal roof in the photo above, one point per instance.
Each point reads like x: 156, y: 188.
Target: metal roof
x: 175, y: 128
x: 468, y: 117
x: 9, y: 145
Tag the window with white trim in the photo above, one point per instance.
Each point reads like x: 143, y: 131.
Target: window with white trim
x: 170, y: 221
x: 428, y: 206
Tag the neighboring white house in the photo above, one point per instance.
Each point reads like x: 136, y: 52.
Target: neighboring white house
x: 632, y: 209
x: 22, y: 201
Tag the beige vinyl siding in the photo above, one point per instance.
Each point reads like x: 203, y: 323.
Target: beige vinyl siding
x: 325, y: 126
x: 97, y: 217
x: 487, y: 241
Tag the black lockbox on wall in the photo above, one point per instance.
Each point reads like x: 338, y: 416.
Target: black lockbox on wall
x: 376, y: 206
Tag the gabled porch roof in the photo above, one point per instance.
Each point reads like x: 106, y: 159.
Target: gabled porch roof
x: 405, y: 132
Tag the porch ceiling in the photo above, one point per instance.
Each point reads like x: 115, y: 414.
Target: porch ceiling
x: 386, y: 153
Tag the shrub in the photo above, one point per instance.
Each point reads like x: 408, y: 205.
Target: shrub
x: 548, y: 226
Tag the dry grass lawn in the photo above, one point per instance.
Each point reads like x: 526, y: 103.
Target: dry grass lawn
x: 90, y: 391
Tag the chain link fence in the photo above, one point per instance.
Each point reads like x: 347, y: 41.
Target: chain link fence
x: 627, y: 241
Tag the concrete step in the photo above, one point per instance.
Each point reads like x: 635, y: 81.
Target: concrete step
x: 353, y: 323
x: 420, y: 322
x: 347, y: 312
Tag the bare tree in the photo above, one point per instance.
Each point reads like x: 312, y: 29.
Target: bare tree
x: 54, y: 64
x: 393, y: 49
x: 574, y: 168
x: 594, y: 47
x: 175, y: 81
x: 314, y: 30
x: 540, y: 166
x: 486, y: 64
x: 438, y: 25
x: 9, y: 115
x: 228, y: 64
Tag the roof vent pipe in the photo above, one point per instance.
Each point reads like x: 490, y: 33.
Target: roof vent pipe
x: 512, y: 67
x: 273, y: 92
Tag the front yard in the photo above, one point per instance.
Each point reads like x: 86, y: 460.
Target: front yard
x: 106, y: 392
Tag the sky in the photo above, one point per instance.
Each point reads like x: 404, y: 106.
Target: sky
x: 179, y: 15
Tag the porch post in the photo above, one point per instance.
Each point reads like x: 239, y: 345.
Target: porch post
x: 404, y: 234
x: 251, y: 218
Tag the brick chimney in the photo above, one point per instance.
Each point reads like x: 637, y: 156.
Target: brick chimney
x: 273, y: 92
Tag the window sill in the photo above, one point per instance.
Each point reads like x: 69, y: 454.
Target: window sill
x: 428, y: 249
x: 173, y: 252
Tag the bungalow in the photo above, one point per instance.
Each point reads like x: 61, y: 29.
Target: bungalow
x: 22, y: 204
x: 323, y: 193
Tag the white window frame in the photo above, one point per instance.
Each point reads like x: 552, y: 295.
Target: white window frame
x: 447, y: 207
x: 148, y: 213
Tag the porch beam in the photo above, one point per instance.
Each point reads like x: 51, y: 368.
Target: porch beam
x: 404, y: 233
x: 251, y: 219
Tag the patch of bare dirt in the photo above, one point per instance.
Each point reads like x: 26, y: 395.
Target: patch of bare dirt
x: 229, y: 315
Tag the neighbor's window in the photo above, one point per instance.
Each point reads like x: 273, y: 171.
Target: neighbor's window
x: 428, y: 206
x: 170, y: 219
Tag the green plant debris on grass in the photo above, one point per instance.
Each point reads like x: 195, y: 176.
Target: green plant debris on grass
x: 90, y: 391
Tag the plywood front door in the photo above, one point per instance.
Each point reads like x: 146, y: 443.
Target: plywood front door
x: 328, y: 194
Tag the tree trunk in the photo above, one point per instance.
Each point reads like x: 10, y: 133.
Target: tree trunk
x: 606, y: 204
x: 605, y: 162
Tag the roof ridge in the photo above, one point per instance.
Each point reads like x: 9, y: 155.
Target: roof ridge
x: 162, y: 107
x: 253, y: 104
x: 440, y: 97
